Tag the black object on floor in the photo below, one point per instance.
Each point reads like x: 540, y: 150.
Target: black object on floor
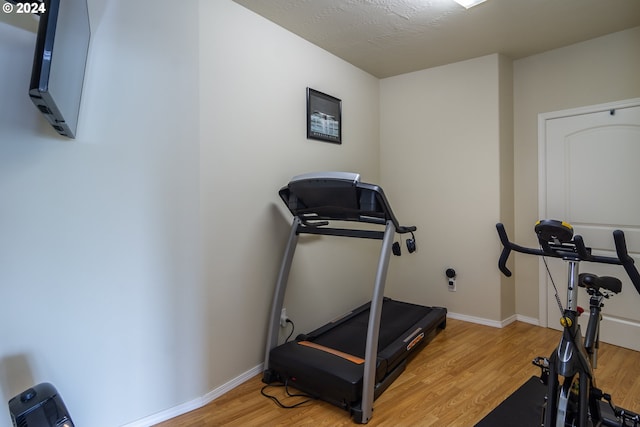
x: 522, y: 409
x: 39, y: 406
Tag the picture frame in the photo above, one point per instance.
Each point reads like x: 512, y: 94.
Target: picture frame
x: 324, y: 117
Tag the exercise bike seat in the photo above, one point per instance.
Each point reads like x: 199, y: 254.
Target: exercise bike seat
x: 591, y: 281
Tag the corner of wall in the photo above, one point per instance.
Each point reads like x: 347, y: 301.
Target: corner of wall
x: 507, y: 200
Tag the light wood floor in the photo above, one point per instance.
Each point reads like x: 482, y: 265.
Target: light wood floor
x: 465, y: 372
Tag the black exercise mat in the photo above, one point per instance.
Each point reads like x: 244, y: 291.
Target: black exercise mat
x: 522, y: 409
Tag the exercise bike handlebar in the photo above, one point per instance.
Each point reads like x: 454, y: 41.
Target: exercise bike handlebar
x: 575, y: 249
x: 625, y: 258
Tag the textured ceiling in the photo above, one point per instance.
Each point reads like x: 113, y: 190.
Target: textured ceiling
x: 391, y: 37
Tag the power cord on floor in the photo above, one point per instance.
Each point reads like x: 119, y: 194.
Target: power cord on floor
x: 309, y: 398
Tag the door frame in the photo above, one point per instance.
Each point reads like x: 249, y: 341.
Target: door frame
x: 543, y: 287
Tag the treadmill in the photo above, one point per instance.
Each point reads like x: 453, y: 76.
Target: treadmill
x: 350, y: 361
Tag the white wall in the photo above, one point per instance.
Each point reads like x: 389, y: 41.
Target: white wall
x: 597, y: 71
x: 440, y: 149
x: 253, y: 83
x: 137, y: 261
x: 99, y: 267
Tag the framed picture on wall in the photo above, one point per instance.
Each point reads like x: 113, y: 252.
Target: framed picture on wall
x: 324, y: 117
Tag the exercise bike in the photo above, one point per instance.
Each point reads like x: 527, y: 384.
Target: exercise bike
x: 572, y: 398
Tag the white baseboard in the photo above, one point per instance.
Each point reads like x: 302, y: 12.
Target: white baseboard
x: 493, y: 323
x: 198, y: 402
x: 230, y: 385
x: 167, y: 414
x: 530, y: 320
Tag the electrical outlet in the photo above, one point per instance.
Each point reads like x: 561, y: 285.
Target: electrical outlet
x: 283, y: 318
x: 452, y: 285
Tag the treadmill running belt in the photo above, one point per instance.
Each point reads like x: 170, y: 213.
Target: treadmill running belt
x: 351, y: 336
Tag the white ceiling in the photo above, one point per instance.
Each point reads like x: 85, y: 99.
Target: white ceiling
x: 391, y: 37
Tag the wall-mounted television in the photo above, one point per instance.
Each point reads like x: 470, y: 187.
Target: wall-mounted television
x: 60, y: 57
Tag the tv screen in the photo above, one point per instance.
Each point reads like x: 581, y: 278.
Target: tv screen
x: 62, y: 44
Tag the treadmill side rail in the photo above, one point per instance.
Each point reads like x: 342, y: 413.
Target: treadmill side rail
x: 373, y: 331
x: 278, y: 295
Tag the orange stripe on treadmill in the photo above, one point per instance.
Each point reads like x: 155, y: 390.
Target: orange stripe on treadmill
x: 347, y: 356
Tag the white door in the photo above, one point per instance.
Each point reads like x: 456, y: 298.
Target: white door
x: 590, y: 161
